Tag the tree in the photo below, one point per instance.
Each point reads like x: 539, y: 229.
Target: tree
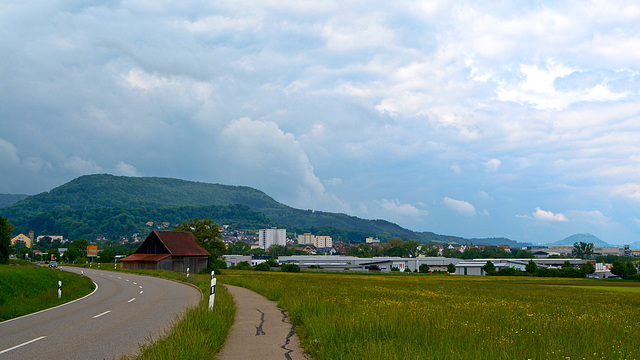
x: 532, y: 267
x: 423, y: 268
x: 567, y: 265
x: 5, y: 240
x: 618, y: 268
x: 489, y: 268
x: 238, y: 248
x: 588, y: 267
x: 412, y: 247
x: 451, y: 269
x: 206, y: 233
x: 582, y: 250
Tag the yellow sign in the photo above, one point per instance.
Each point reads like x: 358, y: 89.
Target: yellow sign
x: 92, y: 250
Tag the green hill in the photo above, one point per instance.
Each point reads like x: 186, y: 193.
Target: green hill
x: 119, y: 206
x: 114, y: 206
x: 10, y: 199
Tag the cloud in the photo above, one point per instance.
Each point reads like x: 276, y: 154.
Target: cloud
x: 8, y: 152
x: 400, y: 213
x: 630, y: 191
x: 460, y: 206
x: 538, y: 89
x: 126, y: 169
x: 493, y: 164
x: 272, y: 160
x: 548, y: 216
x: 80, y: 166
x: 592, y: 217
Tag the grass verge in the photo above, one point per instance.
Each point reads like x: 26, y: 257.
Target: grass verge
x: 26, y: 288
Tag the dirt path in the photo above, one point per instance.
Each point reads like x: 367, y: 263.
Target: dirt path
x: 260, y: 330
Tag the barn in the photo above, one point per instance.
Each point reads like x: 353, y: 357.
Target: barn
x: 168, y: 250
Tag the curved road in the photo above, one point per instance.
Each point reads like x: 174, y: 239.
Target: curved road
x: 125, y: 310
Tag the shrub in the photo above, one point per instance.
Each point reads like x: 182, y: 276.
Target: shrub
x: 395, y: 269
x: 262, y: 267
x: 289, y: 268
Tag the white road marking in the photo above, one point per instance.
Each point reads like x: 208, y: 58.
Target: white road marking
x: 127, y: 279
x: 135, y: 283
x: 119, y: 278
x: 141, y: 291
x: 131, y: 300
x: 104, y: 313
x: 140, y: 286
x: 23, y: 344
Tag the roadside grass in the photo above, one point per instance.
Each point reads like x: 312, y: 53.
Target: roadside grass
x: 416, y: 316
x: 198, y: 333
x: 26, y: 288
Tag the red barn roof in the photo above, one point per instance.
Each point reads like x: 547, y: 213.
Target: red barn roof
x: 181, y: 243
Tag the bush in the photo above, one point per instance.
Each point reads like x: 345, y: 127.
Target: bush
x: 395, y: 269
x: 509, y: 271
x: 262, y: 267
x: 242, y: 265
x: 289, y: 268
x: 407, y: 270
x: 424, y: 268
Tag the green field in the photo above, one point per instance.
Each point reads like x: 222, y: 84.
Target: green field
x: 27, y: 288
x: 411, y: 316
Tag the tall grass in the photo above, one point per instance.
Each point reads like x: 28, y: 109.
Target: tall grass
x: 411, y: 316
x: 25, y: 288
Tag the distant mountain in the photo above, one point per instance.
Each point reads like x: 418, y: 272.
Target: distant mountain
x: 10, y: 199
x: 498, y: 241
x: 576, y: 238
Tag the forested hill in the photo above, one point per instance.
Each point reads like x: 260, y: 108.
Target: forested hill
x: 10, y: 199
x: 100, y: 191
x: 113, y: 206
x: 118, y: 205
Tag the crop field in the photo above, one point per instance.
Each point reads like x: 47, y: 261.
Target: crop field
x: 415, y: 316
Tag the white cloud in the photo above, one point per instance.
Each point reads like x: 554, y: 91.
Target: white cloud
x: 548, y: 216
x: 629, y: 191
x: 592, y: 217
x: 126, y: 169
x: 333, y: 181
x: 8, y: 152
x: 80, y: 166
x: 460, y: 206
x: 538, y: 89
x: 493, y: 164
x: 271, y: 159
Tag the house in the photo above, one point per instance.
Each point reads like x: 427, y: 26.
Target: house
x: 24, y: 238
x: 168, y: 250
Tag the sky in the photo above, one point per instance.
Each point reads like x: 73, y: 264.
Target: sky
x: 517, y: 119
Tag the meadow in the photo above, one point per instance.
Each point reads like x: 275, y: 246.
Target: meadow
x: 25, y: 288
x: 415, y: 316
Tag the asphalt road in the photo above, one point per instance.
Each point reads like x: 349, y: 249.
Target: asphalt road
x: 125, y: 310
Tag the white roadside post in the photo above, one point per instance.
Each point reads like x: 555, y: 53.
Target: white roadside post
x: 187, y: 273
x: 59, y: 289
x: 212, y: 295
x: 81, y: 272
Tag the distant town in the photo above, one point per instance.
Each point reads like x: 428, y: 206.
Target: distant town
x: 321, y: 252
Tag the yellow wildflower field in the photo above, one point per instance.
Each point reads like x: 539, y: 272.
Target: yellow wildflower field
x: 418, y: 316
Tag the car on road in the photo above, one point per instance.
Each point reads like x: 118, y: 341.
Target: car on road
x: 53, y: 264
